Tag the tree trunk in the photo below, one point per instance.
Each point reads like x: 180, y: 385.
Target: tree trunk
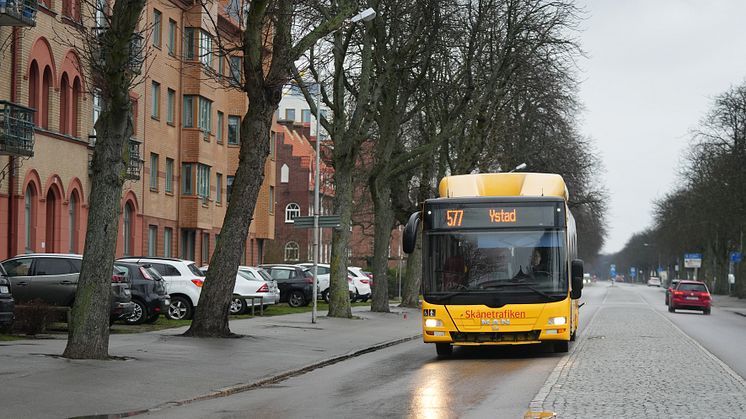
x: 211, y: 315
x: 411, y: 291
x: 88, y: 336
x: 383, y: 223
x: 339, y: 306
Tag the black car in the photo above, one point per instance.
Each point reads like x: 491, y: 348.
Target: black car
x: 295, y: 283
x: 7, y: 305
x: 53, y: 278
x: 148, y: 291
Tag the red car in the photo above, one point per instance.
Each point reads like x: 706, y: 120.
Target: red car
x: 690, y: 295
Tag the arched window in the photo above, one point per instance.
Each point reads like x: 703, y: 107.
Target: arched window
x: 46, y: 88
x: 127, y: 228
x: 64, y: 104
x: 29, y: 216
x: 284, y: 174
x: 292, y: 252
x: 292, y: 210
x: 33, y: 90
x: 72, y: 210
x: 75, y: 108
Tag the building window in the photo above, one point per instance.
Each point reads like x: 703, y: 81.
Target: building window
x: 187, y: 243
x: 152, y: 240
x: 290, y: 114
x: 170, y: 106
x: 128, y: 228
x: 218, y: 188
x: 46, y: 89
x: 169, y: 175
x: 171, y: 37
x: 168, y: 234
x: 30, y: 215
x: 96, y: 109
x: 228, y: 187
x: 205, y: 48
x: 234, y: 134
x: 271, y: 200
x: 236, y: 70
x: 272, y: 144
x: 284, y: 173
x: 73, y: 220
x: 292, y: 210
x: 305, y: 115
x: 205, y: 248
x: 153, y: 172
x: 71, y: 9
x: 188, y: 120
x: 220, y: 128
x: 189, y: 43
x: 292, y: 252
x: 203, y: 181
x: 205, y: 115
x: 155, y: 92
x: 221, y: 65
x: 186, y: 179
x: 64, y: 104
x: 157, y: 28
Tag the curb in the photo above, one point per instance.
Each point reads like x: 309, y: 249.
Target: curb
x: 240, y: 388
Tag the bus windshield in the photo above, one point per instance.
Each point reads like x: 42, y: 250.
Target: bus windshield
x: 495, y: 267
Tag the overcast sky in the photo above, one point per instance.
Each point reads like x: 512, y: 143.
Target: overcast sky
x: 652, y: 70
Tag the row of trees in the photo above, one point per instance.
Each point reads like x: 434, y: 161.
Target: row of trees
x: 428, y: 88
x: 706, y: 212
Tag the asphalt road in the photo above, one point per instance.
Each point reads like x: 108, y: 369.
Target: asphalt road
x: 406, y: 380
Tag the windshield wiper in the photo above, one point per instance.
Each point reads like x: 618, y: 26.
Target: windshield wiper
x: 455, y: 293
x: 528, y: 285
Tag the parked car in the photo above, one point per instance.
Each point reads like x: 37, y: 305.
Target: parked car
x: 690, y: 295
x: 251, y: 283
x: 148, y: 291
x: 53, y: 278
x: 295, y: 283
x: 671, y: 287
x: 7, y: 304
x: 654, y: 281
x: 359, y: 280
x: 183, y: 283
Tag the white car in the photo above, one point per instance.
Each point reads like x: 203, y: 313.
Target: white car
x: 654, y: 282
x: 358, y: 282
x: 251, y: 283
x: 183, y: 280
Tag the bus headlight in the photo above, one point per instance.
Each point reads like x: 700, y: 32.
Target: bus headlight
x: 558, y: 321
x: 433, y: 323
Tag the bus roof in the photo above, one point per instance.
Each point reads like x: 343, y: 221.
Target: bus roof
x: 503, y: 184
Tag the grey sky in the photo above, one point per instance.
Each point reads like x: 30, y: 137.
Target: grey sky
x: 652, y: 70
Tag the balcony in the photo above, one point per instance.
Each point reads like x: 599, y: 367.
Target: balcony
x: 18, y: 12
x: 16, y: 129
x: 134, y: 165
x: 137, y: 51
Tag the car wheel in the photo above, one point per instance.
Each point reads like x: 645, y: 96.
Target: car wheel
x: 296, y: 299
x: 180, y: 309
x: 353, y: 297
x: 238, y: 306
x: 706, y: 311
x: 139, y: 314
x: 666, y: 299
x: 561, y: 346
x: 365, y: 299
x: 444, y: 350
x: 670, y: 308
x: 325, y: 296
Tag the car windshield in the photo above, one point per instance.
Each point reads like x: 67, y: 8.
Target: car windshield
x: 495, y: 263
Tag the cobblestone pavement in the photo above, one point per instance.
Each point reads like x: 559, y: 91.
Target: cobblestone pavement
x: 632, y: 362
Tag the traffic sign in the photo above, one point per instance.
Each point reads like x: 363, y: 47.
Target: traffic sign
x: 612, y: 271
x: 736, y: 257
x: 693, y: 260
x: 633, y: 272
x: 325, y: 221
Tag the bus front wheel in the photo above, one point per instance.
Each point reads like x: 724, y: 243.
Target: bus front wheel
x: 444, y: 350
x: 561, y: 346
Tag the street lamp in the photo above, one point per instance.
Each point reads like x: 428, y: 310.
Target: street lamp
x: 365, y: 16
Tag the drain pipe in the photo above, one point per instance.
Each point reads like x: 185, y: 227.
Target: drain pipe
x: 12, y: 227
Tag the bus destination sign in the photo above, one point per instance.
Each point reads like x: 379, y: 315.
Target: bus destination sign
x: 487, y: 216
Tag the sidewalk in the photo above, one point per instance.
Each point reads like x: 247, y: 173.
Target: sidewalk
x: 729, y: 303
x: 161, y: 368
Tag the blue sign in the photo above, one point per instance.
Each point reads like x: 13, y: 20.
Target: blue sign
x: 633, y: 272
x: 736, y: 257
x: 692, y: 255
x: 612, y: 271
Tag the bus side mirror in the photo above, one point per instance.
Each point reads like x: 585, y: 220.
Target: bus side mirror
x: 410, y: 233
x: 576, y: 273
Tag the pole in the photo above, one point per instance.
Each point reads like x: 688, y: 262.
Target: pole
x: 316, y: 207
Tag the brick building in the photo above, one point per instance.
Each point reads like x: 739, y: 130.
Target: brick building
x: 184, y: 151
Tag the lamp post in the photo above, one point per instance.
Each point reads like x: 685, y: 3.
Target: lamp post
x: 366, y: 16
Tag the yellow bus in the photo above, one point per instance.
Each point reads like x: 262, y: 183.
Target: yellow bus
x: 499, y: 262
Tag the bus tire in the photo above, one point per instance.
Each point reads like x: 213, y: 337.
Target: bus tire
x: 444, y: 350
x: 561, y: 346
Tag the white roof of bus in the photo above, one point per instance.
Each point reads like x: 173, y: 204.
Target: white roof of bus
x: 503, y: 184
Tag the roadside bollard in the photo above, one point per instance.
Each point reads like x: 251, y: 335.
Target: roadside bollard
x: 405, y: 315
